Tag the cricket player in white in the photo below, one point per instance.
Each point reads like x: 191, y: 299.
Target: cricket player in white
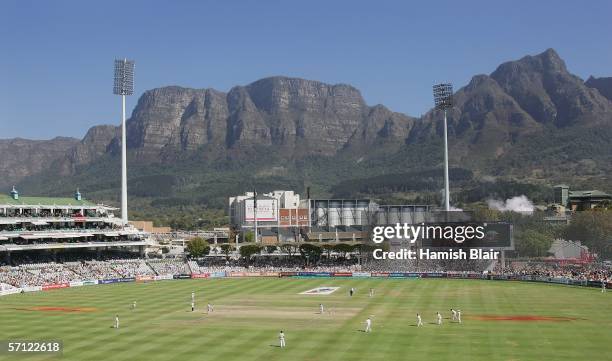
x: 192, y: 306
x: 419, y: 320
x: 134, y: 305
x: 209, y: 307
x: 321, y: 308
x: 281, y: 339
x: 454, y: 315
x: 116, y: 321
x: 368, y: 327
x: 459, y: 316
x: 371, y: 292
x: 603, y: 286
x: 439, y: 318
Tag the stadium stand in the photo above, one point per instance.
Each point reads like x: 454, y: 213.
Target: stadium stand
x: 45, y: 273
x: 169, y: 266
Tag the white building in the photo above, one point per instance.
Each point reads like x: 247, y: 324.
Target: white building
x: 242, y: 210
x: 276, y: 212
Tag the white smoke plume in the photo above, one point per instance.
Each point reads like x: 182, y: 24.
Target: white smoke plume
x: 515, y: 204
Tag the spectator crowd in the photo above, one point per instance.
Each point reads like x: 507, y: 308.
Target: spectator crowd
x: 44, y: 273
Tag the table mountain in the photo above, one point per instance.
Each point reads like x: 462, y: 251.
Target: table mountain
x: 530, y: 119
x: 296, y: 117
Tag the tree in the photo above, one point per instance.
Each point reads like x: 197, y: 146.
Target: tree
x: 328, y: 249
x: 593, y: 228
x: 607, y: 205
x: 532, y: 243
x: 288, y: 248
x: 226, y: 249
x: 485, y: 214
x: 270, y: 249
x: 364, y: 249
x: 249, y: 237
x: 310, y: 252
x: 198, y: 247
x: 249, y: 250
x: 343, y: 249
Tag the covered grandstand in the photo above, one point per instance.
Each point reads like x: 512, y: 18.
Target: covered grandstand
x: 34, y: 226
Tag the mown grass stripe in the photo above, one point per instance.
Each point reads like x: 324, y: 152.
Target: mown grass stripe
x: 163, y: 328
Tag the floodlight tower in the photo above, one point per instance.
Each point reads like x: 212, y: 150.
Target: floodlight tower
x: 443, y: 98
x: 124, y: 85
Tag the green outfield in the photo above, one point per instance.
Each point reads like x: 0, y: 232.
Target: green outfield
x: 501, y: 321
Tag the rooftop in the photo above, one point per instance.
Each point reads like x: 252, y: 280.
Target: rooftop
x: 35, y: 201
x: 587, y: 194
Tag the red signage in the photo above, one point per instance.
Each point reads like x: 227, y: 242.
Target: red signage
x: 200, y: 275
x: 144, y: 278
x: 293, y: 217
x: 55, y: 286
x: 342, y: 274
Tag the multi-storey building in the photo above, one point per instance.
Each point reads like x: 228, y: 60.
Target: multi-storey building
x: 32, y: 227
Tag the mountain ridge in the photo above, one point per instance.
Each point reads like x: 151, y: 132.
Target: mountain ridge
x: 299, y: 131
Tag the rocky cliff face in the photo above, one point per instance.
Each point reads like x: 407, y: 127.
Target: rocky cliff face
x: 544, y: 88
x: 96, y: 142
x: 22, y: 157
x: 286, y: 112
x: 177, y: 118
x: 293, y: 119
x: 482, y: 108
x: 294, y: 116
x: 519, y: 98
x: 603, y: 85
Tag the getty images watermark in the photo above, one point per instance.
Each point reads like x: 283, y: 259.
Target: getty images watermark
x: 442, y: 241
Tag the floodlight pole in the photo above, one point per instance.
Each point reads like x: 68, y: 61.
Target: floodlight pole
x: 124, y: 209
x: 124, y: 85
x: 446, y: 185
x: 443, y: 98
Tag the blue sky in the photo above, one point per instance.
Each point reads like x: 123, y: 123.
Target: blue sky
x: 56, y: 57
